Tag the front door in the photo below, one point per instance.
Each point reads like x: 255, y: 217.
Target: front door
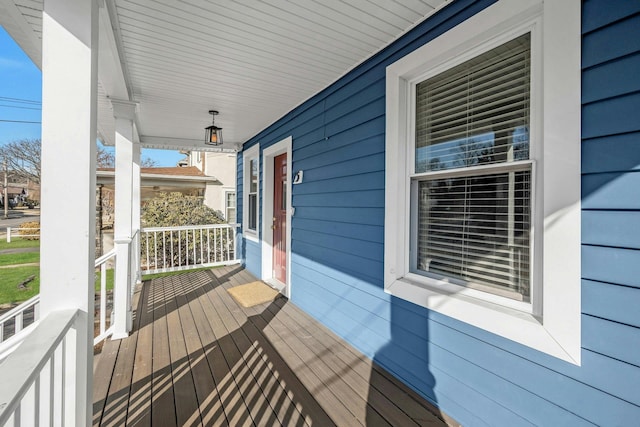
x: 280, y: 218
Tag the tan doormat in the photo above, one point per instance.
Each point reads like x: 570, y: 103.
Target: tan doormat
x: 253, y: 293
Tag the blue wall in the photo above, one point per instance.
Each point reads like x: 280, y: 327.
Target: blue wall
x: 474, y: 376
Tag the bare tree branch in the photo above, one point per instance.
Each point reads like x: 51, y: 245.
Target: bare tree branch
x: 23, y: 158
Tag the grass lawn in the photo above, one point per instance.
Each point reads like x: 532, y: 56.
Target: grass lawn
x: 19, y: 258
x: 109, y: 280
x: 17, y: 242
x: 10, y: 278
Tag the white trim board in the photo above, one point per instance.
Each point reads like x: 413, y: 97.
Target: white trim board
x: 268, y: 154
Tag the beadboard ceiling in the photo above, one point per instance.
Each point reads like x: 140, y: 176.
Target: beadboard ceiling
x: 252, y: 60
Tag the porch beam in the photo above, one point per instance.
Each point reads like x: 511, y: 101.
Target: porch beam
x: 126, y: 153
x: 69, y: 116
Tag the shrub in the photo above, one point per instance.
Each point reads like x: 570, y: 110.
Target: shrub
x: 30, y: 230
x: 175, y: 209
x: 181, y: 247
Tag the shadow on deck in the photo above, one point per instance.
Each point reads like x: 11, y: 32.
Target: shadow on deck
x: 195, y: 357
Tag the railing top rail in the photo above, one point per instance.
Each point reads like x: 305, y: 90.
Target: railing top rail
x: 22, y: 367
x: 15, y: 310
x: 105, y: 257
x: 189, y: 227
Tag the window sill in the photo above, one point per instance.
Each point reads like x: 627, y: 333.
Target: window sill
x: 251, y: 235
x: 506, y: 322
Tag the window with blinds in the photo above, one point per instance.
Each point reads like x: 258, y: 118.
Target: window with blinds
x: 253, y: 195
x: 473, y: 223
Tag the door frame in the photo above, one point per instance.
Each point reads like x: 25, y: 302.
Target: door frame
x: 268, y: 155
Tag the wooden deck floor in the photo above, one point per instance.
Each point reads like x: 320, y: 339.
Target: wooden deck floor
x: 196, y: 357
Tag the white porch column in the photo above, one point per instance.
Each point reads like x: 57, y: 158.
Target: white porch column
x: 135, y: 200
x: 124, y: 113
x: 69, y: 112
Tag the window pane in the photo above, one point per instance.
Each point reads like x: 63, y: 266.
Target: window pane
x: 477, y: 112
x: 231, y: 200
x: 253, y: 183
x: 231, y: 214
x: 477, y: 229
x: 253, y: 211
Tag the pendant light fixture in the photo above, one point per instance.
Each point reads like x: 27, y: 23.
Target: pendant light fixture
x: 213, y: 134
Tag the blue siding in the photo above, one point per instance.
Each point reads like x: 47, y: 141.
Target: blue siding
x: 474, y: 376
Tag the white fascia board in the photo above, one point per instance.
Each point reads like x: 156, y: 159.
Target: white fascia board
x: 186, y: 144
x: 107, y: 177
x: 21, y: 31
x: 110, y: 70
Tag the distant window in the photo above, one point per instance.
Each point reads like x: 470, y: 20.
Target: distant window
x: 251, y: 177
x: 230, y: 204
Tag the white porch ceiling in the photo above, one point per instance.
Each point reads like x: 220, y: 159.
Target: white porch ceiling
x: 251, y: 60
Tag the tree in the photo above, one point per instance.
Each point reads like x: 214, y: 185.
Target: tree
x: 107, y: 159
x: 23, y: 158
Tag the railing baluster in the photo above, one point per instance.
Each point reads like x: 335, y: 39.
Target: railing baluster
x: 146, y: 238
x: 164, y: 251
x: 155, y: 249
x: 195, y: 260
x: 201, y: 248
x: 228, y: 242
x: 179, y: 247
x: 172, y: 259
x: 208, y: 246
x: 103, y: 297
x: 17, y: 325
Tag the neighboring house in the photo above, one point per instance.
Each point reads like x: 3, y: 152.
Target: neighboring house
x: 466, y: 210
x: 220, y: 196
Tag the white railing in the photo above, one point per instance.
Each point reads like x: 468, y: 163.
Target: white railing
x: 23, y: 232
x: 40, y: 380
x: 16, y: 324
x: 101, y: 263
x: 166, y: 249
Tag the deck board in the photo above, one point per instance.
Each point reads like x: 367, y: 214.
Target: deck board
x: 196, y: 357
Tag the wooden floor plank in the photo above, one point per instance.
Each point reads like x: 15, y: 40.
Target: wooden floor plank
x: 381, y: 381
x: 276, y: 396
x: 162, y: 403
x: 186, y: 402
x: 310, y: 376
x: 227, y: 375
x: 243, y: 361
x: 139, y: 409
x: 209, y: 396
x: 102, y: 378
x: 196, y: 357
x: 115, y: 411
x: 305, y: 403
x: 205, y: 386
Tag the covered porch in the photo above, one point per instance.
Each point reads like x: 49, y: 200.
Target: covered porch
x: 196, y: 357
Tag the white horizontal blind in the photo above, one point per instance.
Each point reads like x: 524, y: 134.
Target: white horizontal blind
x: 477, y: 112
x: 253, y: 195
x: 475, y: 228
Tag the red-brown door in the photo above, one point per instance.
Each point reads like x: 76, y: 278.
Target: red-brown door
x: 280, y: 218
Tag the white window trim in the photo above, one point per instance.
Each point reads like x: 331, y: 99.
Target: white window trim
x: 226, y: 206
x: 247, y: 156
x: 553, y: 325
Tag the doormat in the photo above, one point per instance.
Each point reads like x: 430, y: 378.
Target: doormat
x: 253, y: 293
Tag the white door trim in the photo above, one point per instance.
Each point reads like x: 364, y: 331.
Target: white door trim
x: 268, y: 154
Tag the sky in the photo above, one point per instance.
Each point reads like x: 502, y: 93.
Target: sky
x: 21, y: 100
